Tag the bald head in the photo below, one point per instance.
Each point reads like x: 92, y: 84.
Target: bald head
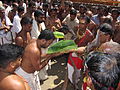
x: 89, y: 13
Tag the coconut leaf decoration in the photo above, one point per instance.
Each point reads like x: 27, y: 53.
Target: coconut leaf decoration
x: 62, y: 46
x: 58, y: 34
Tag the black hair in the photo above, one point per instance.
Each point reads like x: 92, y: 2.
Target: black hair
x: 87, y: 19
x: 103, y: 70
x: 38, y: 13
x: 46, y: 34
x: 115, y: 10
x: 53, y: 9
x: 64, y: 29
x: 20, y: 8
x: 108, y: 20
x: 55, y: 4
x: 19, y: 1
x: 45, y: 5
x: 26, y: 20
x: 83, y: 6
x: 94, y: 7
x: 14, y: 5
x: 73, y: 12
x: 107, y: 28
x: 69, y: 3
x: 31, y: 3
x: 9, y: 53
x: 101, y: 8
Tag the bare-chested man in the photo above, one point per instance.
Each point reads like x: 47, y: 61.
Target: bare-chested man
x: 53, y: 23
x: 23, y: 37
x: 32, y: 58
x: 10, y: 59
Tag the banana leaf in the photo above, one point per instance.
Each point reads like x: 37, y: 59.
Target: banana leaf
x: 62, y: 46
x: 58, y: 34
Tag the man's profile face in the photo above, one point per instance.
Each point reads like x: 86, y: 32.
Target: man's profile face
x: 82, y: 10
x: 82, y: 24
x: 28, y: 27
x: 33, y: 8
x: 115, y: 14
x: 53, y: 13
x: 47, y: 43
x: 41, y: 19
x: 67, y: 7
x: 72, y: 17
x: 104, y: 37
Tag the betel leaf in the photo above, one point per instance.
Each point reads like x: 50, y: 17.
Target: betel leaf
x: 58, y: 34
x: 62, y: 46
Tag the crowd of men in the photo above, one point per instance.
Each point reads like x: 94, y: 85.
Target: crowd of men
x: 26, y: 31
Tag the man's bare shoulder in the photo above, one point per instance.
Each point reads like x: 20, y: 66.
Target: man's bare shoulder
x: 12, y: 82
x: 32, y: 47
x: 19, y: 38
x: 110, y: 43
x: 110, y: 47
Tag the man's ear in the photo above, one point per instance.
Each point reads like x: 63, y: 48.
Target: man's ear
x: 12, y: 64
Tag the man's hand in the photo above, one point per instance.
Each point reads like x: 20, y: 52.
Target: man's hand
x: 80, y: 50
x: 60, y: 53
x: 7, y: 27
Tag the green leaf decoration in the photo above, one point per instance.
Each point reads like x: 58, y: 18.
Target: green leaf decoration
x: 62, y: 46
x: 58, y: 34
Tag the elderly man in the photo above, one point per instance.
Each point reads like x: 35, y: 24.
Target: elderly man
x: 102, y: 71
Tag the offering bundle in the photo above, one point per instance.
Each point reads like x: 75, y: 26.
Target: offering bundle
x: 62, y: 46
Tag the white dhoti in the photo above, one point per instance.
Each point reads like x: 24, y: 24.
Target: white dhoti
x: 5, y: 38
x: 43, y: 73
x: 78, y: 63
x: 31, y: 78
x: 70, y: 73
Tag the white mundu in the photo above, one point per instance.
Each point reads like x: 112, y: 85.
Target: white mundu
x: 43, y: 72
x: 16, y: 25
x: 31, y: 78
